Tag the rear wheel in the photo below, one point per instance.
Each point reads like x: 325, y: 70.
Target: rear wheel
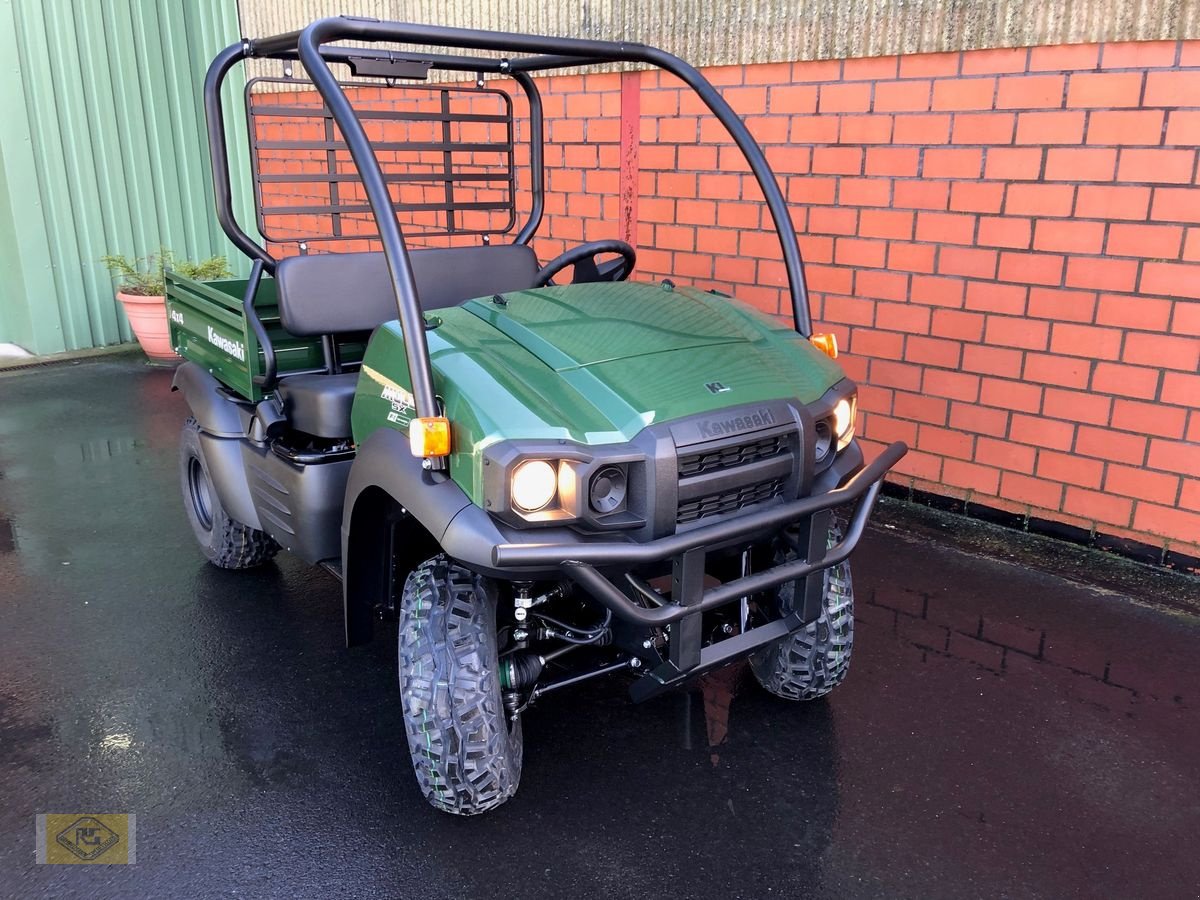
x: 466, y: 752
x: 813, y: 661
x: 228, y: 544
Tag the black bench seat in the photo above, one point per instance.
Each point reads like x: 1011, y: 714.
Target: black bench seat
x: 341, y: 293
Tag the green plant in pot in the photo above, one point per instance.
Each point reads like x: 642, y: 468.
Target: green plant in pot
x: 142, y: 291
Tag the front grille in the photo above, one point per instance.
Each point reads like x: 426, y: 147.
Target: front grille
x: 729, y: 501
x: 727, y: 457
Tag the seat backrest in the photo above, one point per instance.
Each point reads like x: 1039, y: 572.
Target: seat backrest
x: 333, y: 293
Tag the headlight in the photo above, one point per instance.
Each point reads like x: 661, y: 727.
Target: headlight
x: 606, y: 493
x: 534, y: 484
x: 556, y: 483
x: 824, y: 440
x: 843, y: 421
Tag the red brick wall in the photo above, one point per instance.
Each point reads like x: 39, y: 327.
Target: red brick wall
x: 1006, y: 242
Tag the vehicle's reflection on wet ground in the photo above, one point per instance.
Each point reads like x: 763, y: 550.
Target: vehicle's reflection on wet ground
x: 1004, y: 731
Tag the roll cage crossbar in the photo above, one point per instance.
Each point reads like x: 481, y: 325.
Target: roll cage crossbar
x: 309, y: 46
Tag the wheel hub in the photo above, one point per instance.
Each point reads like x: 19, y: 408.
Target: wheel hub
x: 200, y: 493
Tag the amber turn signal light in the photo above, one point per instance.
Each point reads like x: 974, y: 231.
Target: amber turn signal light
x: 430, y: 436
x: 826, y: 343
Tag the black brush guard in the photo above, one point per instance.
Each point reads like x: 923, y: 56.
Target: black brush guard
x: 686, y: 654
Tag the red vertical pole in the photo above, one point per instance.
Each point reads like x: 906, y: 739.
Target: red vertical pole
x: 631, y: 127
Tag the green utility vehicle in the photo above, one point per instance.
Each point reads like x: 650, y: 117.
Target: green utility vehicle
x: 543, y: 482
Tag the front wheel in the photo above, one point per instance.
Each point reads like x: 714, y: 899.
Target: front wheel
x: 466, y: 751
x: 813, y: 661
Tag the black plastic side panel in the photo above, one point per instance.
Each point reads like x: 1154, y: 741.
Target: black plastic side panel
x: 300, y: 506
x: 211, y: 406
x: 227, y: 469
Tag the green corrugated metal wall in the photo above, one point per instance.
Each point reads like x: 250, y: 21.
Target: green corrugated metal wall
x: 101, y: 151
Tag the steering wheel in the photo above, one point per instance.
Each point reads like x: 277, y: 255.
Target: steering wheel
x: 583, y: 258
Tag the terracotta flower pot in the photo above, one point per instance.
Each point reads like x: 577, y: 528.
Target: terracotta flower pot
x: 148, y: 318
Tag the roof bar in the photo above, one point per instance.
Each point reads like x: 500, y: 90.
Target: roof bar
x: 218, y: 151
x: 571, y: 52
x: 309, y: 46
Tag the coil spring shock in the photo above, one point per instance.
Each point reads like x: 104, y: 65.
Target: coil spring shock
x: 519, y: 672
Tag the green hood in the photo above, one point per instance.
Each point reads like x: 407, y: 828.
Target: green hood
x: 591, y: 363
x: 567, y: 328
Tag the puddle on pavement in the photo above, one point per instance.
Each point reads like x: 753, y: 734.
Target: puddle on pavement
x: 25, y: 736
x: 1091, y: 670
x: 717, y: 691
x: 109, y: 448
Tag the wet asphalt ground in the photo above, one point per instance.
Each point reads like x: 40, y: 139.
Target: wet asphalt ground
x: 1005, y: 731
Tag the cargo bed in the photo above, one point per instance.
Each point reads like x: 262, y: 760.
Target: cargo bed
x: 209, y: 327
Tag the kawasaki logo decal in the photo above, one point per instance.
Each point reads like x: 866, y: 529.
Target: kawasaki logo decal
x: 236, y: 349
x: 712, y: 428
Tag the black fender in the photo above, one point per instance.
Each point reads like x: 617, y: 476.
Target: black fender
x: 395, y: 511
x: 223, y: 424
x: 215, y: 411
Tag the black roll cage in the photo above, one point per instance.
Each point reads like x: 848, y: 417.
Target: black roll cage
x: 309, y: 46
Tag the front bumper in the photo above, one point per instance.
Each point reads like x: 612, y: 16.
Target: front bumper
x: 586, y: 563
